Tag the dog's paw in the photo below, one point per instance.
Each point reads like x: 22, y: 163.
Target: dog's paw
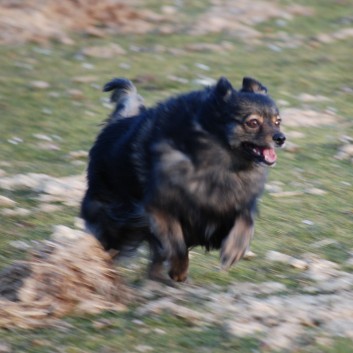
x: 229, y: 259
x: 178, y: 276
x: 237, y: 242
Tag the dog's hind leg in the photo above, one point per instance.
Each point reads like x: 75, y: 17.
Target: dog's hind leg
x: 169, y: 235
x: 158, y: 257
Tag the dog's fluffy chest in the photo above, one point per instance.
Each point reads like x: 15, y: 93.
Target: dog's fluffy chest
x: 212, y: 184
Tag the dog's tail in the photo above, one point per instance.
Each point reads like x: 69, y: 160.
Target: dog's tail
x: 128, y: 102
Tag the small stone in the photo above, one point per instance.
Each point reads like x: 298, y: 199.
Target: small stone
x: 249, y: 255
x: 205, y: 81
x: 341, y: 327
x: 47, y: 111
x: 79, y: 223
x: 85, y: 79
x: 39, y: 84
x: 337, y: 284
x: 49, y: 208
x: 287, y: 194
x: 347, y: 149
x: 316, y: 192
x: 43, y: 137
x: 54, y: 94
x: 125, y: 66
x: 294, y: 117
x: 178, y: 79
x: 54, y: 187
x: 305, y: 97
x: 5, y: 348
x: 20, y: 245
x: 88, y: 66
x: 78, y: 163
x: 18, y: 211
x: 143, y: 348
x: 295, y: 134
x: 167, y: 305
x: 6, y: 202
x: 15, y: 140
x: 324, y: 242
x: 310, y: 289
x: 324, y: 341
x: 271, y: 288
x: 138, y: 322
x: 321, y: 270
x: 95, y: 32
x: 209, y: 47
x: 104, y: 52
x: 283, y: 336
x: 75, y: 94
x: 278, y: 257
x: 202, y: 67
x: 261, y: 309
x: 346, y: 139
x: 41, y: 342
x: 61, y: 232
x: 299, y: 264
x: 308, y: 222
x: 78, y: 154
x: 343, y: 33
x: 169, y: 10
x: 291, y: 147
x: 243, y: 329
x: 48, y: 146
x: 273, y: 188
x: 102, y: 323
x: 325, y: 38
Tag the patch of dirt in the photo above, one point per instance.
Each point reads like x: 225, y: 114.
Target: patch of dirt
x: 42, y: 20
x: 270, y: 311
x: 69, y: 273
x: 241, y: 16
x: 294, y: 117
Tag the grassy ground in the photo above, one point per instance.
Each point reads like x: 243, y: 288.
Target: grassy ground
x: 313, y: 68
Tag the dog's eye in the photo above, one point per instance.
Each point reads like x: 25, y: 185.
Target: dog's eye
x: 278, y: 122
x: 253, y: 123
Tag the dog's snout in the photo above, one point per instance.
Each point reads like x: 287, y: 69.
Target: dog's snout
x: 279, y: 138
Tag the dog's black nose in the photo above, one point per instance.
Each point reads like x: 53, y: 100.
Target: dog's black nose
x: 279, y: 138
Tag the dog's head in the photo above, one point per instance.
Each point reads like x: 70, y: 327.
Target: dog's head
x: 247, y: 120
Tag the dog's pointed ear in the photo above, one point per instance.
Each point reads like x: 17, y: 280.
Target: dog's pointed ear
x: 253, y: 86
x: 223, y: 89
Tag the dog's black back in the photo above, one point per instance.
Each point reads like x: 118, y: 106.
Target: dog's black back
x: 187, y: 172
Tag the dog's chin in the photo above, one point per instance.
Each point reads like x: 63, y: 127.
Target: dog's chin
x: 264, y: 156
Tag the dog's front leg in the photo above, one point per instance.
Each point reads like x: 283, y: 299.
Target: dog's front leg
x: 168, y: 233
x: 237, y: 242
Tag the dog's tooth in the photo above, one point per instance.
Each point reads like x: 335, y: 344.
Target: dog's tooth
x: 256, y: 151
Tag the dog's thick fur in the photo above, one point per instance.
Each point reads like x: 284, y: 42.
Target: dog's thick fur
x: 187, y: 172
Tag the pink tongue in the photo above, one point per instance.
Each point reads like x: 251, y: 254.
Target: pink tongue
x: 269, y: 155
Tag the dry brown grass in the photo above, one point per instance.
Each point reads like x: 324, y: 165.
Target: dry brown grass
x: 40, y: 21
x: 65, y: 275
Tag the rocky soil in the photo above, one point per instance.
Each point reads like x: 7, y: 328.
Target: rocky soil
x: 320, y: 308
x: 39, y: 22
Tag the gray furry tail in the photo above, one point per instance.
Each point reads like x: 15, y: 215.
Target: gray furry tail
x: 128, y: 102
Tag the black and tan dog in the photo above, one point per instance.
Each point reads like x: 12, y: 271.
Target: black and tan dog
x: 186, y: 172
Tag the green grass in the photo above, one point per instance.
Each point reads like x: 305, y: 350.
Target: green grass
x: 320, y: 69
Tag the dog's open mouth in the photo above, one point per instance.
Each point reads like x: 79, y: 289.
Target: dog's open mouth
x: 266, y: 155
